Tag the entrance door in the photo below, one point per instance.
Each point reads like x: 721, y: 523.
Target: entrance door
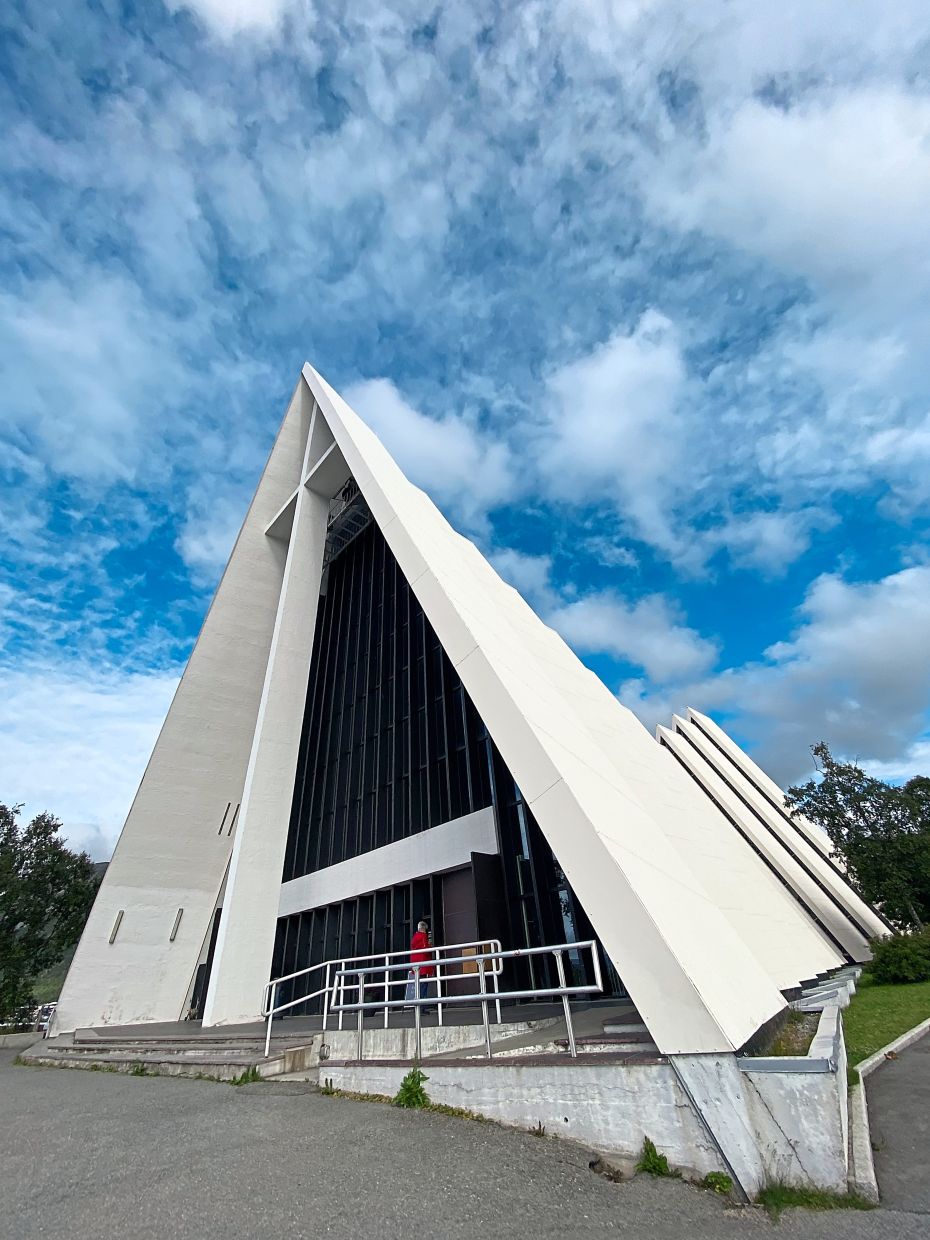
x: 459, y: 920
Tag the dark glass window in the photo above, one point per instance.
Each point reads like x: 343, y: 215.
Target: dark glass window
x: 387, y: 740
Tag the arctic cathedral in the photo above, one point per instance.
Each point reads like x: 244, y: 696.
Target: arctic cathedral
x: 373, y: 729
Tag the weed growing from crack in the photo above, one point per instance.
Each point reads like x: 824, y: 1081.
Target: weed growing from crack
x: 718, y: 1182
x: 411, y: 1094
x: 778, y: 1197
x: 251, y: 1076
x: 652, y: 1162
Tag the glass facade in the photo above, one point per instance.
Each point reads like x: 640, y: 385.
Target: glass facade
x: 393, y: 745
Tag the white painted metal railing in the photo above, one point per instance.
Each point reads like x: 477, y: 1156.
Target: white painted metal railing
x: 332, y: 975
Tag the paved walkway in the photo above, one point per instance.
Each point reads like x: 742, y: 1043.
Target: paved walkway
x: 96, y: 1154
x: 898, y: 1094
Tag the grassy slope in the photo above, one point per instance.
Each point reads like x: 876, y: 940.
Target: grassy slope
x: 879, y: 1014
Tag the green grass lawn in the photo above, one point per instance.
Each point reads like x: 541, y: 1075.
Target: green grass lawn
x: 879, y: 1014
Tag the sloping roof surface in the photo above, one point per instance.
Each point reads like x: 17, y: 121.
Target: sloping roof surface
x: 700, y: 929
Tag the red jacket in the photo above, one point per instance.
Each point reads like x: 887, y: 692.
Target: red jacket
x: 418, y: 955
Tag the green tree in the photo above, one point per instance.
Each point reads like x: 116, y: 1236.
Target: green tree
x: 46, y: 891
x: 881, y: 833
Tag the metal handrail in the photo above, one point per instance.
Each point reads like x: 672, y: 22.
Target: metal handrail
x: 343, y: 960
x: 336, y: 985
x: 496, y: 959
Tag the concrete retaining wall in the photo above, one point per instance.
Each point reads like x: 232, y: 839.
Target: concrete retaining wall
x: 799, y: 1110
x: 18, y: 1041
x: 609, y: 1108
x: 342, y: 1044
x: 763, y: 1121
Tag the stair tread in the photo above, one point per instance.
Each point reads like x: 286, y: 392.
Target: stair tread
x: 117, y: 1057
x: 606, y: 1039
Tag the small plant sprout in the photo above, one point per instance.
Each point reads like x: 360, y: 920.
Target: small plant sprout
x: 250, y: 1076
x: 718, y: 1182
x: 652, y: 1162
x: 411, y: 1094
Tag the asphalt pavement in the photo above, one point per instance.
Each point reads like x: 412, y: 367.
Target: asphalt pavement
x: 94, y: 1154
x: 898, y: 1094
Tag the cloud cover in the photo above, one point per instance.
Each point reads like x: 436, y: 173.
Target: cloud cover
x: 638, y: 291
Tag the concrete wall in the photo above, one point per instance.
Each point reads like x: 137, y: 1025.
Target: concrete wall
x: 446, y: 847
x: 19, y: 1041
x: 245, y: 943
x: 800, y: 1112
x: 175, y: 846
x: 607, y: 1108
x: 783, y: 1122
x: 781, y: 1119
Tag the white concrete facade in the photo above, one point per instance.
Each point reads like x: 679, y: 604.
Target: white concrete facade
x: 701, y: 927
x: 434, y: 851
x: 175, y: 846
x: 793, y: 848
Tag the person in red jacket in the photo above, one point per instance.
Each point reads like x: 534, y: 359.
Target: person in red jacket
x: 420, y: 954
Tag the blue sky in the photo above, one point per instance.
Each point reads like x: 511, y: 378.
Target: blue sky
x: 639, y: 291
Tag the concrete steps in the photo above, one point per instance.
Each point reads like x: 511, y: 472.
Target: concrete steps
x: 607, y: 1043
x: 617, y: 1034
x: 224, y: 1058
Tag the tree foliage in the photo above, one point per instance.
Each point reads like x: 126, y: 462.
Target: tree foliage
x: 881, y: 833
x: 46, y: 891
x: 902, y: 958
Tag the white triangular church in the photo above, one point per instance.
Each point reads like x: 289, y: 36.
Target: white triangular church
x: 373, y: 728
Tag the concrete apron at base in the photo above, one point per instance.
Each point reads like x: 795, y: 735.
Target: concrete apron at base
x: 702, y: 1111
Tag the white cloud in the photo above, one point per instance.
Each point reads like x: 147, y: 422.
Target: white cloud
x: 208, y: 533
x: 915, y: 760
x: 74, y: 740
x: 89, y: 371
x: 450, y: 457
x: 855, y: 673
x: 768, y: 541
x: 530, y: 574
x: 610, y: 552
x: 228, y: 18
x: 648, y: 633
x: 613, y: 427
x: 806, y: 186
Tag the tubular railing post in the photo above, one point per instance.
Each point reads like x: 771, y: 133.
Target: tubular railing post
x: 566, y: 1006
x: 274, y: 995
x: 416, y: 1008
x: 482, y: 984
x: 438, y: 987
x: 326, y: 996
x: 596, y: 961
x: 498, y: 964
x: 387, y: 992
x: 361, y: 1013
x: 342, y: 991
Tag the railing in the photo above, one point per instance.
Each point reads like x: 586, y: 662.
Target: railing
x: 362, y: 973
x: 334, y: 973
x: 341, y: 501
